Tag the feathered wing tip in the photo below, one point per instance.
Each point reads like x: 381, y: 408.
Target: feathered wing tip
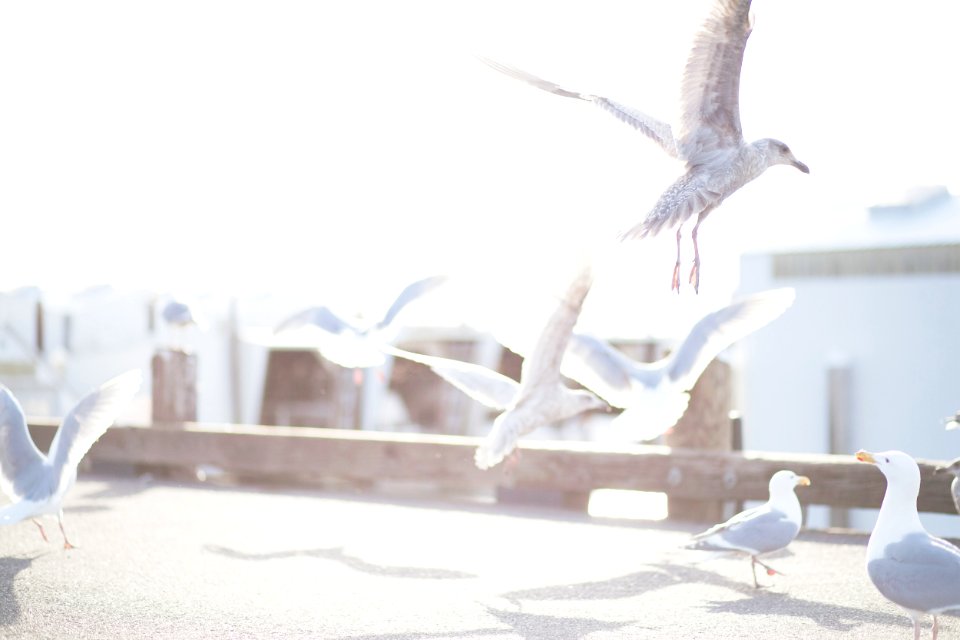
x: 497, y: 445
x: 126, y: 385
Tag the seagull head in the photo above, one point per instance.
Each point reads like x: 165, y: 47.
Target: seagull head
x: 898, y: 467
x: 779, y: 153
x: 785, y: 481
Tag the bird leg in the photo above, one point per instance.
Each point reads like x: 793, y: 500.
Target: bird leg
x: 936, y: 627
x: 675, y: 283
x: 66, y: 543
x: 40, y: 526
x: 753, y: 566
x: 695, y: 269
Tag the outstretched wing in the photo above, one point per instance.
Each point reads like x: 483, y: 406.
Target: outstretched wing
x: 483, y: 385
x: 22, y: 466
x: 710, y: 92
x: 658, y: 131
x: 718, y: 330
x: 87, y: 421
x: 410, y: 293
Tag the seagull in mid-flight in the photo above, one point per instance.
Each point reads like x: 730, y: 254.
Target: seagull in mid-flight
x: 708, y: 136
x: 37, y: 483
x: 349, y: 344
x: 655, y: 395
x: 540, y: 398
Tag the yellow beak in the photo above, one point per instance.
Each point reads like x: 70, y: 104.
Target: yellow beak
x: 803, y: 481
x: 866, y: 456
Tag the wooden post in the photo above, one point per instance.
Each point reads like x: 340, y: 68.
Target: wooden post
x: 839, y: 395
x: 706, y: 425
x: 174, y: 387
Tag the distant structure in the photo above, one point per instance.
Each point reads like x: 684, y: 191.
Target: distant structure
x: 867, y: 357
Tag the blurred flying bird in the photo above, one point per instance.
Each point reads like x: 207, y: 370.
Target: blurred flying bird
x: 708, y: 136
x: 655, y: 395
x: 37, y: 483
x: 908, y: 566
x: 540, y: 398
x: 764, y: 529
x: 346, y: 343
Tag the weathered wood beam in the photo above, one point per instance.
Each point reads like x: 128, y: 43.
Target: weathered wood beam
x: 838, y: 480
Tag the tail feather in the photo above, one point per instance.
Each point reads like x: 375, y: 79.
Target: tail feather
x: 498, y: 444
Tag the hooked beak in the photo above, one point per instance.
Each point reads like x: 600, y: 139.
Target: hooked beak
x: 803, y: 481
x: 801, y: 166
x: 866, y: 456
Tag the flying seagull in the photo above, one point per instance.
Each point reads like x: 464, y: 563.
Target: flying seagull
x: 37, y: 483
x: 953, y: 467
x: 655, y: 395
x: 909, y: 567
x: 764, y: 529
x: 346, y: 343
x: 540, y: 397
x: 708, y: 136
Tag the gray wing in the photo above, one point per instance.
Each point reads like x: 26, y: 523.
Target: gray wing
x: 22, y: 466
x: 658, y: 131
x: 320, y: 317
x: 87, y: 421
x: 543, y: 365
x: 919, y: 572
x: 718, y: 330
x: 410, y: 293
x: 483, y: 385
x: 756, y: 531
x: 710, y: 92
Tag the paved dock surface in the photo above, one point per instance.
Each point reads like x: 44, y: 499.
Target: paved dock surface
x: 166, y: 560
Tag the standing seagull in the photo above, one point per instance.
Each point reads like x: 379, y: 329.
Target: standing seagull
x: 906, y: 564
x: 540, y: 397
x: 37, y: 483
x: 655, y: 395
x: 769, y: 527
x: 708, y: 138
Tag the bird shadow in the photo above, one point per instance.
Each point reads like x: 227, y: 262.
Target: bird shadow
x: 829, y: 616
x: 337, y: 554
x: 660, y: 576
x: 9, y: 604
x: 529, y: 626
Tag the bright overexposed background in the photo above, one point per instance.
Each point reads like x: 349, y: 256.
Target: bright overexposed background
x: 346, y: 148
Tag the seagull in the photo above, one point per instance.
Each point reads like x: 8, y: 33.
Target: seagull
x: 37, y: 483
x: 953, y: 467
x: 655, y: 395
x: 769, y: 527
x: 708, y: 136
x: 539, y: 398
x: 348, y: 344
x: 909, y: 567
x: 953, y: 422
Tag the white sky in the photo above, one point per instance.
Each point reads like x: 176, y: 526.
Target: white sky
x: 350, y: 147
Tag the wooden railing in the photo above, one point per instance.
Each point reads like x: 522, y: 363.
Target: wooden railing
x: 574, y: 467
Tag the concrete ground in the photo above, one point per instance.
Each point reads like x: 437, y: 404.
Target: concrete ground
x: 161, y: 560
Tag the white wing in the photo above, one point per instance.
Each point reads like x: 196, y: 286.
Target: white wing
x: 483, y: 385
x: 22, y: 465
x: 87, y: 421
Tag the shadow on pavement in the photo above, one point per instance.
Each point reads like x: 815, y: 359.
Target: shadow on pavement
x: 337, y: 555
x: 830, y: 616
x: 9, y: 605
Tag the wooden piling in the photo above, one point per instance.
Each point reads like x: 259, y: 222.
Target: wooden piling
x: 174, y: 387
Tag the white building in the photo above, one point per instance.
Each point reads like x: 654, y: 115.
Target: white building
x: 868, y: 355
